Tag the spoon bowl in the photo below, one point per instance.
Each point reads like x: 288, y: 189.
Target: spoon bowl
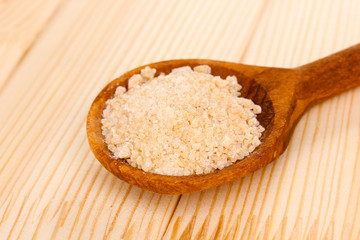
x: 283, y: 94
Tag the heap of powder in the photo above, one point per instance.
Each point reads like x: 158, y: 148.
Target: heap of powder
x: 187, y: 122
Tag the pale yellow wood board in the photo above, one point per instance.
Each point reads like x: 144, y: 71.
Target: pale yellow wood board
x: 51, y: 186
x: 21, y: 22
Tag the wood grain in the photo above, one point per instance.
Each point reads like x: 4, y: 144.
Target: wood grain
x: 21, y: 22
x: 51, y: 186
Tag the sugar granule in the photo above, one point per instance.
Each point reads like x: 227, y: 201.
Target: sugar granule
x: 187, y: 122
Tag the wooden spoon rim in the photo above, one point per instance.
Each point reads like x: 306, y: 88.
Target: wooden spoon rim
x: 261, y: 156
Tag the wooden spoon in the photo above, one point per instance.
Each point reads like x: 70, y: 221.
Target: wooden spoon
x: 284, y: 95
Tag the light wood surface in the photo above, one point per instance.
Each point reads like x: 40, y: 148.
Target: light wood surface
x: 55, y: 56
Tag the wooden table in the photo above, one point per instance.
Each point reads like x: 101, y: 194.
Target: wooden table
x: 55, y: 56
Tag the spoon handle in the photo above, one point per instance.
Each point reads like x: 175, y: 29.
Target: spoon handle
x: 329, y: 76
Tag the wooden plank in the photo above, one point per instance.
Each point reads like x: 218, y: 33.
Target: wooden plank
x: 21, y: 22
x: 51, y: 186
